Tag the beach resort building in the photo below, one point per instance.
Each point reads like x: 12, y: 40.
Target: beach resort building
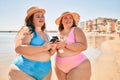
x: 100, y: 25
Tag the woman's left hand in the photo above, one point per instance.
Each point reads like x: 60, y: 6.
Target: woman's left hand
x: 27, y: 36
x: 60, y: 44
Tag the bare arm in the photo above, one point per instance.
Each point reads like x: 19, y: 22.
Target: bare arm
x: 81, y: 42
x: 29, y: 50
x: 22, y: 44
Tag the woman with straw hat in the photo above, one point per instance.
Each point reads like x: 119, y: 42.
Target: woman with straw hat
x: 71, y: 63
x: 34, y: 62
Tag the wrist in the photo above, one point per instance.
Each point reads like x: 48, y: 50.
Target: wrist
x: 65, y: 45
x: 24, y: 43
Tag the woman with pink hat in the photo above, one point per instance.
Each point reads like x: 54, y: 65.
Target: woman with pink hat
x: 71, y: 63
x: 34, y: 62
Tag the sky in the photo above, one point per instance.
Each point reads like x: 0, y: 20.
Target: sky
x: 13, y: 12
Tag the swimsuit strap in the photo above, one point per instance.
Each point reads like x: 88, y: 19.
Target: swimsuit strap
x: 37, y: 40
x: 71, y: 38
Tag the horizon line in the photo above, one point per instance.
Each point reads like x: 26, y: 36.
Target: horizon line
x: 17, y: 31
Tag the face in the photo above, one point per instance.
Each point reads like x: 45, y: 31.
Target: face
x: 67, y: 20
x: 38, y: 19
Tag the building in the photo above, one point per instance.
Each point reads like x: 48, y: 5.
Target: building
x: 101, y: 25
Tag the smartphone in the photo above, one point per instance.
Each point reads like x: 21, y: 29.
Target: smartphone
x: 54, y: 38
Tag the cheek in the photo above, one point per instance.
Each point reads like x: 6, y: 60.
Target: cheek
x: 34, y: 20
x: 63, y: 21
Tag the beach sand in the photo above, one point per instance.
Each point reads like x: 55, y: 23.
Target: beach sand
x: 107, y: 66
x: 5, y: 60
x: 54, y: 77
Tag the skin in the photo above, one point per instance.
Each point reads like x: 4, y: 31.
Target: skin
x: 83, y: 71
x: 38, y: 53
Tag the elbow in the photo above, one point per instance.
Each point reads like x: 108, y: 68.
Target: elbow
x: 17, y: 50
x: 84, y: 47
x: 20, y: 50
x: 23, y: 51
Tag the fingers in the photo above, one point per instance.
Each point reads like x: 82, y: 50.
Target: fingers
x: 49, y: 46
x: 26, y: 40
x: 61, y: 44
x: 26, y: 31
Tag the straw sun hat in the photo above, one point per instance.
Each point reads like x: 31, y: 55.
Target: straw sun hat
x: 75, y: 16
x: 33, y: 10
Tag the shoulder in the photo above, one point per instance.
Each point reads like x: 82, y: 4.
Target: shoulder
x: 78, y: 30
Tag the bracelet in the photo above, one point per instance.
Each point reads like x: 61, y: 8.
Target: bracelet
x: 49, y: 49
x: 65, y: 45
x: 25, y: 43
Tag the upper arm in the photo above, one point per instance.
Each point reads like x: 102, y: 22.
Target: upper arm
x: 80, y: 36
x: 18, y: 40
x: 24, y: 36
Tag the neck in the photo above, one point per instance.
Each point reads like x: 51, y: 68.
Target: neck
x: 38, y: 29
x: 67, y: 28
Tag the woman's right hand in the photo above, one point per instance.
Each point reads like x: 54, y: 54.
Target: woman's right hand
x: 52, y: 48
x: 48, y: 46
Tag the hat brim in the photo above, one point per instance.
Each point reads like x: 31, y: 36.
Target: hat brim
x: 32, y: 12
x: 75, y: 16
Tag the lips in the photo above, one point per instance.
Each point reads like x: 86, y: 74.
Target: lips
x: 41, y: 21
x: 68, y: 22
